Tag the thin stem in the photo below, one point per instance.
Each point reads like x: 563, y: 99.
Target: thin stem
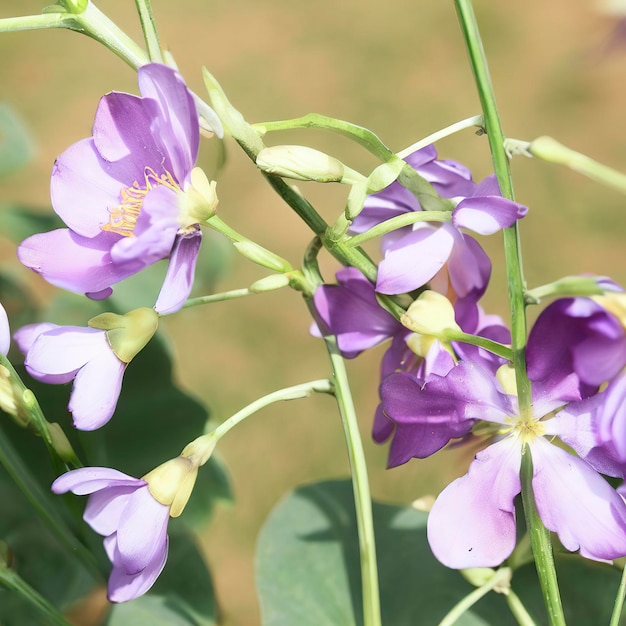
x: 512, y: 254
x: 37, y: 22
x: 40, y: 501
x: 474, y: 121
x: 542, y: 547
x: 360, y: 487
x: 482, y: 342
x: 519, y: 611
x: 11, y: 580
x: 289, y: 393
x: 501, y: 576
x: 399, y: 221
x: 150, y: 33
x: 218, y: 297
x: 619, y: 601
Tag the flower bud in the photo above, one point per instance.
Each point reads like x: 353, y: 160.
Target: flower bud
x: 60, y: 443
x: 261, y: 256
x: 127, y: 334
x: 301, y: 163
x: 199, y: 200
x: 506, y: 377
x: 270, y: 283
x: 74, y: 6
x: 431, y: 314
x: 384, y: 175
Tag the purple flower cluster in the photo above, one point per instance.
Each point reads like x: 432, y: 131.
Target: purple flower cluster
x: 435, y: 391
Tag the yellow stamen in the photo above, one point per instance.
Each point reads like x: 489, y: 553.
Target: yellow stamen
x: 123, y: 217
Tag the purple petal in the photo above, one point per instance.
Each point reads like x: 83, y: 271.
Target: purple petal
x: 90, y: 479
x: 60, y: 352
x: 472, y: 523
x: 122, y: 130
x: 142, y: 531
x: 84, y: 186
x: 123, y: 586
x: 106, y: 507
x: 449, y: 178
x: 5, y: 332
x: 26, y: 335
x: 75, y: 263
x: 180, y: 273
x: 469, y: 267
x: 611, y: 417
x: 487, y: 215
x: 176, y: 127
x: 96, y: 390
x: 414, y: 259
x: 578, y: 504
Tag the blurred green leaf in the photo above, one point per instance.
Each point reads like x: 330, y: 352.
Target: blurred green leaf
x: 16, y: 145
x: 182, y: 595
x: 18, y: 222
x: 308, y: 569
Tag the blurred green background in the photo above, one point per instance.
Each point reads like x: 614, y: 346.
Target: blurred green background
x: 398, y: 68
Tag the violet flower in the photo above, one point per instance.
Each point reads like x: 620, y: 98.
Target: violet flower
x: 129, y: 194
x: 5, y: 332
x: 132, y: 521
x: 95, y: 358
x: 418, y: 254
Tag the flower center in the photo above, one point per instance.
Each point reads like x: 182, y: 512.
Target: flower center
x: 528, y: 430
x: 123, y: 217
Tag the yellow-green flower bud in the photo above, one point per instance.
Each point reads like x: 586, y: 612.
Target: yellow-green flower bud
x: 384, y: 175
x: 172, y: 482
x: 506, y: 377
x: 300, y: 163
x: 261, y: 256
x: 270, y: 283
x: 199, y: 200
x: 127, y: 334
x: 431, y: 314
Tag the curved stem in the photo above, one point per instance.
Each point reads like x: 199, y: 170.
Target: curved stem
x: 360, y: 487
x: 11, y: 580
x: 476, y: 121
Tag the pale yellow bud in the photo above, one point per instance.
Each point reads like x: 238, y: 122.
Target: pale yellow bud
x: 506, y: 377
x: 301, y: 163
x: 431, y: 314
x: 127, y: 334
x: 199, y: 200
x: 614, y: 303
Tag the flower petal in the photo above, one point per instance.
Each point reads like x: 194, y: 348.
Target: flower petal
x: 26, y: 335
x: 106, y: 507
x: 176, y: 127
x: 96, y: 390
x: 123, y: 586
x: 180, y: 273
x: 487, y: 215
x: 142, y: 531
x: 469, y: 267
x: 577, y: 503
x: 413, y: 260
x: 5, y: 332
x: 90, y: 479
x: 472, y: 523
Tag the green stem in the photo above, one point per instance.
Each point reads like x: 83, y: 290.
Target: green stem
x: 503, y: 575
x: 360, y: 487
x: 399, y: 221
x: 37, y: 22
x: 482, y: 342
x: 619, y: 601
x: 12, y: 581
x: 519, y: 611
x: 541, y: 544
x: 564, y: 287
x: 40, y: 501
x: 474, y: 121
x: 218, y: 297
x: 303, y: 390
x: 150, y: 33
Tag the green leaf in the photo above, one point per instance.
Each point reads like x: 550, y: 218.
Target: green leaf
x: 182, y: 595
x: 16, y: 146
x: 308, y: 566
x: 18, y: 222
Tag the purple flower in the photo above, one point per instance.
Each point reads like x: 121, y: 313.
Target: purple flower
x: 127, y: 194
x: 472, y: 523
x: 416, y: 255
x: 133, y: 523
x: 5, y: 332
x: 59, y: 354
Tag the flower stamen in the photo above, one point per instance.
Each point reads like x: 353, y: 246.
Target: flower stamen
x: 123, y: 217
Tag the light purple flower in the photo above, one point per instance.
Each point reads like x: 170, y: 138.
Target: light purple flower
x: 472, y: 523
x: 59, y: 354
x: 5, y: 332
x: 415, y: 256
x: 122, y: 193
x: 133, y: 523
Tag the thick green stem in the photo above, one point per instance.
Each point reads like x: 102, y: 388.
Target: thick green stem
x: 540, y: 539
x: 541, y: 545
x: 360, y: 487
x: 12, y: 581
x: 150, y: 33
x: 619, y: 601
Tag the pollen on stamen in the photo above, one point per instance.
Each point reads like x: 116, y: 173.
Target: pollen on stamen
x: 123, y: 217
